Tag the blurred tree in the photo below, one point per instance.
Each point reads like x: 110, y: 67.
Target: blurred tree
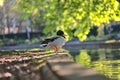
x: 69, y: 15
x: 1, y: 2
x: 33, y: 12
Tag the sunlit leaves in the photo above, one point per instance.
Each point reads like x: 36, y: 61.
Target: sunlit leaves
x: 28, y: 7
x: 69, y: 15
x: 103, y: 11
x: 1, y: 2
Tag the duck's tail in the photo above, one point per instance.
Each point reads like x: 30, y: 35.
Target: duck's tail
x: 43, y: 45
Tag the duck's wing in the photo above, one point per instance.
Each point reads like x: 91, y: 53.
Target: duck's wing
x: 46, y: 41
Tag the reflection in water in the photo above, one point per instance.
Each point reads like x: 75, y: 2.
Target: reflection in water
x: 83, y: 58
x: 105, y: 61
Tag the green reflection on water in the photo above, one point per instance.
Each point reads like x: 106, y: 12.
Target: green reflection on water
x: 83, y: 58
x: 105, y: 61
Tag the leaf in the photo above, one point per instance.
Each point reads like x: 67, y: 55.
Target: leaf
x: 68, y: 15
x: 1, y: 2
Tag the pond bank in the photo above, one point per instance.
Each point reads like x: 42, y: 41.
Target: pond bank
x: 76, y: 44
x: 111, y: 44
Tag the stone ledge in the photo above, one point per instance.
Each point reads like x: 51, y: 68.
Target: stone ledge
x: 64, y: 68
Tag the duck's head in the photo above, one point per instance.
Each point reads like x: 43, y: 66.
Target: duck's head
x: 60, y: 33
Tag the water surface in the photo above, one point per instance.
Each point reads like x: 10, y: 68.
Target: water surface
x: 105, y: 61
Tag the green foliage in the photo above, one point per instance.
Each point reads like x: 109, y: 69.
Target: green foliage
x: 1, y: 2
x: 69, y: 15
x: 1, y: 42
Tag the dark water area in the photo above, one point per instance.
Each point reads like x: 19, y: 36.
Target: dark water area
x: 104, y: 61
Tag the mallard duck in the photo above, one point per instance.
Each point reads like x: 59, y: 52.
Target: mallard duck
x: 55, y: 42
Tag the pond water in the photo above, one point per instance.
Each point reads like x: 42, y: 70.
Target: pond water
x: 105, y: 61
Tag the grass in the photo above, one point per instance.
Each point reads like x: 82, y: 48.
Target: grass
x: 19, y: 41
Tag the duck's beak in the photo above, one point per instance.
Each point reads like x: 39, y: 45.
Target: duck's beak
x: 64, y: 36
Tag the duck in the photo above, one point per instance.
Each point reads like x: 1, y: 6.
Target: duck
x: 55, y: 42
